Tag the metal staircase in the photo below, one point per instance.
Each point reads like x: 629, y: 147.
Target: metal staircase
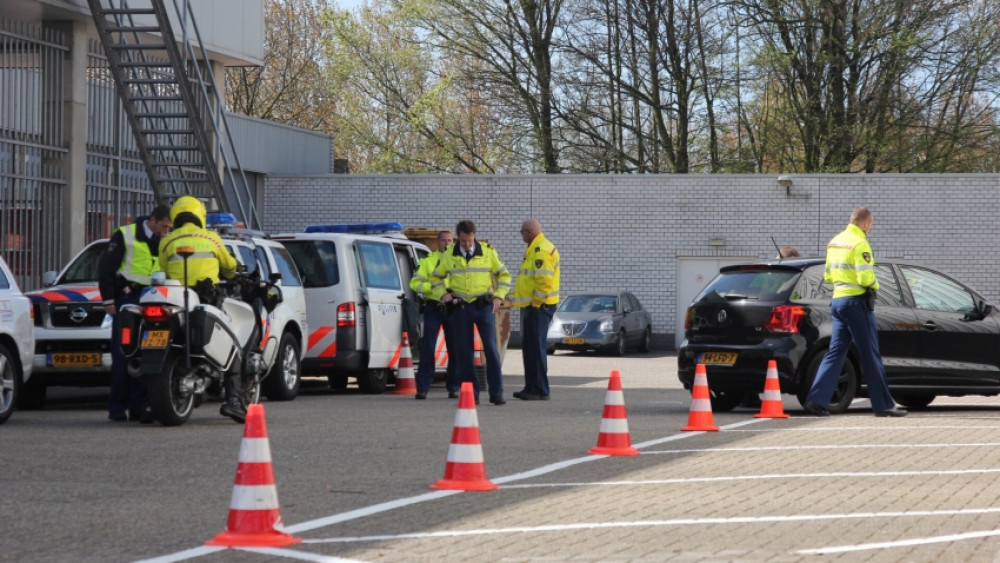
x: 172, y: 104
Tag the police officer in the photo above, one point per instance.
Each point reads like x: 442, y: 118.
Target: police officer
x: 850, y: 267
x: 125, y: 268
x: 463, y: 280
x: 209, y: 261
x: 434, y: 319
x: 537, y: 294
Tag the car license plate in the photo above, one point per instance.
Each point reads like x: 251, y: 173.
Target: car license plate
x: 155, y: 338
x: 74, y: 359
x: 573, y: 341
x: 718, y: 358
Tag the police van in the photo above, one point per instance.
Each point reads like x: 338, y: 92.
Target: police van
x: 357, y: 284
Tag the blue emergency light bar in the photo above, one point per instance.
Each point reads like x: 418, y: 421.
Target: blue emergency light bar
x: 219, y: 220
x: 357, y: 228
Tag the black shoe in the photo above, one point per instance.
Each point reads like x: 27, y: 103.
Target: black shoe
x: 452, y: 394
x: 146, y: 417
x: 117, y: 416
x: 531, y: 397
x: 235, y: 412
x: 498, y: 401
x: 517, y: 394
x: 421, y: 395
x: 891, y: 412
x: 813, y: 408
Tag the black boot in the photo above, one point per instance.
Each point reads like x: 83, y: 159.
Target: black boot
x: 233, y: 407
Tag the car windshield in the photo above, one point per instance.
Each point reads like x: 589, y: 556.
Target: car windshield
x: 764, y: 285
x: 84, y: 268
x: 589, y: 304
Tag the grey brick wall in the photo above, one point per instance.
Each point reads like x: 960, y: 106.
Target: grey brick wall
x: 627, y: 232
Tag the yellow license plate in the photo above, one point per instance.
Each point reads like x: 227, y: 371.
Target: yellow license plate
x: 718, y: 358
x: 155, y: 338
x: 573, y: 341
x: 75, y: 359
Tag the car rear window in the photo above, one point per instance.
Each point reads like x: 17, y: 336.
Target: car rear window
x: 316, y: 261
x: 763, y: 285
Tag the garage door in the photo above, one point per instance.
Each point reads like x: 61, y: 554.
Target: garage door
x: 693, y: 274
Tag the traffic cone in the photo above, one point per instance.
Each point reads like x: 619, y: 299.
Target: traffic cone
x: 614, y: 437
x: 465, y: 470
x: 700, y: 417
x: 770, y: 405
x: 254, y: 516
x: 406, y: 383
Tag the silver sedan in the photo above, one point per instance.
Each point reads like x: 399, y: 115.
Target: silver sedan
x: 611, y: 322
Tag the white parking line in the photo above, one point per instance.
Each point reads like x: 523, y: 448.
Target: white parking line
x: 659, y: 523
x: 838, y: 447
x: 901, y: 543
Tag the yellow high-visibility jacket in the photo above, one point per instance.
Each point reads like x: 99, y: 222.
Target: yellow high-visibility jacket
x: 538, y: 279
x: 210, y: 258
x: 469, y: 279
x: 850, y: 264
x: 421, y: 280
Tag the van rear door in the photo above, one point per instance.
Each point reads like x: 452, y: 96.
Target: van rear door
x: 384, y: 294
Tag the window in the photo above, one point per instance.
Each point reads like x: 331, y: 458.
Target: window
x: 84, y: 268
x: 378, y: 265
x: 888, y: 287
x: 265, y: 266
x: 316, y: 261
x: 4, y: 282
x: 769, y: 285
x: 289, y: 274
x: 246, y: 257
x: 934, y: 292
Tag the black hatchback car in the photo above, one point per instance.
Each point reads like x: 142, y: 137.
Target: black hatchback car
x: 937, y: 336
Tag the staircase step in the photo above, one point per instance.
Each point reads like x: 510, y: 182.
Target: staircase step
x: 133, y: 29
x: 138, y: 46
x: 181, y: 148
x: 150, y: 81
x: 147, y: 115
x: 166, y: 132
x: 145, y: 64
x: 127, y: 12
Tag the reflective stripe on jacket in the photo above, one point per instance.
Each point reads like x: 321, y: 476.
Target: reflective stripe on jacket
x: 469, y: 279
x: 210, y: 258
x: 850, y: 264
x: 138, y: 263
x: 421, y: 280
x: 538, y: 279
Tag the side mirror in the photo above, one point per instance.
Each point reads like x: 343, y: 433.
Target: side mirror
x: 985, y: 309
x: 49, y: 278
x: 275, y: 277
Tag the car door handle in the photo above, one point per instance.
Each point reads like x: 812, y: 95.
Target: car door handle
x: 930, y: 325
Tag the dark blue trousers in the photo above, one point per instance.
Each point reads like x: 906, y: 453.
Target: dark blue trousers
x: 434, y: 319
x: 852, y: 321
x: 534, y: 332
x: 479, y: 316
x: 127, y: 392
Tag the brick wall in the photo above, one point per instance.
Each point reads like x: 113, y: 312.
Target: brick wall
x: 627, y: 232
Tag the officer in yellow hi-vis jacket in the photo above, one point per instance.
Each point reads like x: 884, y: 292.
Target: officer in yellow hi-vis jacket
x: 435, y: 319
x: 850, y: 267
x: 464, y: 282
x: 536, y: 292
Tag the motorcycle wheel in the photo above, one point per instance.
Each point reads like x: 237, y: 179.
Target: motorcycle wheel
x: 170, y: 405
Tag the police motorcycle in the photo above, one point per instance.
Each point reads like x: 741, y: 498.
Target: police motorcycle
x: 183, y: 342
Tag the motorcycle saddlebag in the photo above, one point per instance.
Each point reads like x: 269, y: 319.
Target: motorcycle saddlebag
x: 209, y: 338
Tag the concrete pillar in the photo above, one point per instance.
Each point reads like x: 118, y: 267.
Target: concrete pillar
x: 74, y: 81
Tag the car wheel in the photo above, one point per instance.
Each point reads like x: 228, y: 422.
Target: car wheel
x: 10, y: 383
x: 914, y: 400
x: 31, y: 396
x: 282, y: 384
x: 619, y: 345
x: 337, y: 381
x: 725, y: 401
x: 550, y: 351
x: 647, y: 339
x: 373, y: 381
x: 847, y: 384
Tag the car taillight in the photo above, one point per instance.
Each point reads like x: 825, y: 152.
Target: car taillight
x: 785, y: 318
x: 345, y: 315
x: 155, y: 313
x: 687, y: 319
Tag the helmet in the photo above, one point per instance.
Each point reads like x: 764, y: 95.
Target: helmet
x: 188, y: 204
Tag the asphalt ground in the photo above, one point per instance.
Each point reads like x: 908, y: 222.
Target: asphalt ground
x: 352, y: 474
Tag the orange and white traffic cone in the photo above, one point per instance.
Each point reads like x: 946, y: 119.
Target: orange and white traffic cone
x: 406, y: 383
x: 770, y: 405
x: 700, y: 416
x: 254, y: 516
x: 614, y: 437
x: 465, y: 470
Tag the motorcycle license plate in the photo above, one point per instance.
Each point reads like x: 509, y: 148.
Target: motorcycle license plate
x: 74, y: 359
x: 573, y: 341
x: 718, y: 358
x: 155, y: 338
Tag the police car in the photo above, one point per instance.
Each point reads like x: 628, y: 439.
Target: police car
x: 357, y: 286
x: 73, y: 333
x: 16, y: 341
